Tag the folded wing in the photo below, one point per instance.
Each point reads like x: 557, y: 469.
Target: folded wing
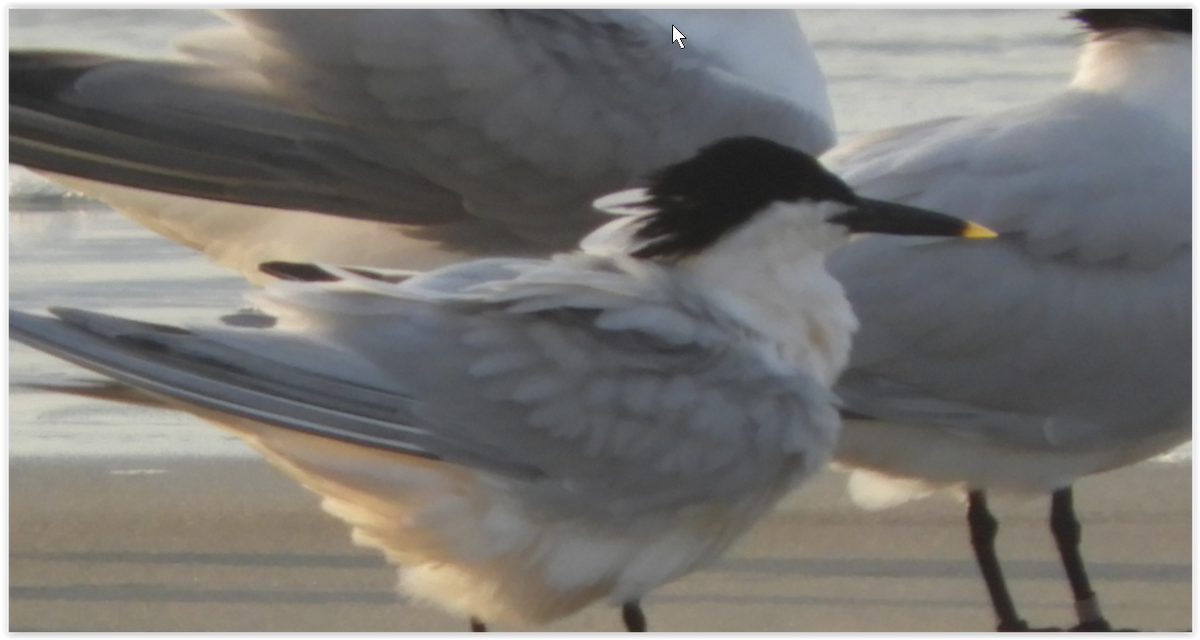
x: 509, y: 121
x: 553, y: 383
x: 1071, y: 331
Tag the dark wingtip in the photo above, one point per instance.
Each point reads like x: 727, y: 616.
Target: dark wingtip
x: 297, y: 271
x: 84, y: 319
x: 41, y: 76
x: 306, y: 272
x: 18, y: 319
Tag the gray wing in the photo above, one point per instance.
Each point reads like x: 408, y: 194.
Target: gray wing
x: 510, y: 120
x: 1073, y: 329
x: 631, y: 413
x: 175, y: 363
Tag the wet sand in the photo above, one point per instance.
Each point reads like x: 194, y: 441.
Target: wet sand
x: 231, y: 545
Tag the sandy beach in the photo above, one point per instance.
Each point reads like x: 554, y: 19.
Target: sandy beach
x: 223, y: 544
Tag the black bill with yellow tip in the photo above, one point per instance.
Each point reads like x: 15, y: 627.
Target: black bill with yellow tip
x: 878, y: 216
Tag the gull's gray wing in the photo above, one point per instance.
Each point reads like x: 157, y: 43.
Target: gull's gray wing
x: 640, y: 402
x: 490, y: 124
x: 1073, y: 330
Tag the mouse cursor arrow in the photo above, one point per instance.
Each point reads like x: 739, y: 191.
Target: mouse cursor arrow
x: 676, y: 36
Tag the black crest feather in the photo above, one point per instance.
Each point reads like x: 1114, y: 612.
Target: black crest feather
x: 726, y: 183
x: 1101, y: 20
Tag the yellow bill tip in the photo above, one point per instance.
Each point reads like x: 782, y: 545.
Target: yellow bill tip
x: 978, y: 231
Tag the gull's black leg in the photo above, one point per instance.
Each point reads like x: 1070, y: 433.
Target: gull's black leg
x: 1066, y: 529
x: 477, y: 624
x: 983, y: 527
x: 631, y: 613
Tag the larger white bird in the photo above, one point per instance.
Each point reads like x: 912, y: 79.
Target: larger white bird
x: 458, y: 132
x: 1062, y: 350
x: 525, y: 437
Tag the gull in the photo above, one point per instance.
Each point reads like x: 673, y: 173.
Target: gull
x: 424, y: 136
x: 1064, y: 348
x: 525, y: 437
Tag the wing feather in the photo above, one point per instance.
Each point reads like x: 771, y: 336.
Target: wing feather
x: 509, y: 121
x: 629, y: 413
x: 1073, y: 329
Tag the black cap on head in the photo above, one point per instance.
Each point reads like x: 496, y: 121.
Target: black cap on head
x: 700, y: 199
x: 1102, y: 20
x: 696, y: 202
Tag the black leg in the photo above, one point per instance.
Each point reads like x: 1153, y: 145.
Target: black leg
x: 477, y: 624
x: 631, y: 613
x: 1065, y: 527
x: 983, y: 527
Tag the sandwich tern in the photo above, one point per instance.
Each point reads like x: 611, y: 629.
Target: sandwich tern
x: 244, y: 235
x: 1062, y: 350
x: 525, y: 437
x: 443, y: 133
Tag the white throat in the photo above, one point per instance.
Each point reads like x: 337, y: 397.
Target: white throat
x: 770, y: 275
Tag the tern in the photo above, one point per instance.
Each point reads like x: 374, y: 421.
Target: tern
x: 443, y: 134
x: 263, y: 112
x: 525, y: 437
x: 1064, y: 348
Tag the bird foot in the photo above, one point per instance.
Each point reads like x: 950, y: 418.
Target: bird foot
x: 1099, y: 624
x: 1022, y: 626
x: 1092, y: 626
x: 1103, y: 627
